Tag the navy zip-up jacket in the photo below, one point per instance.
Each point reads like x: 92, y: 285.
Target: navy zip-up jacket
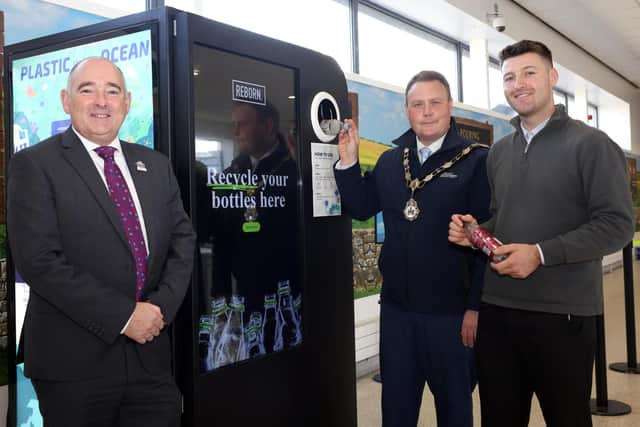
x: 421, y: 270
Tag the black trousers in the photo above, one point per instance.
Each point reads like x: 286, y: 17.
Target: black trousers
x: 524, y: 352
x: 133, y: 399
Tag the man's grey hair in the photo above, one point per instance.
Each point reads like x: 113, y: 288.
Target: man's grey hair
x: 90, y: 58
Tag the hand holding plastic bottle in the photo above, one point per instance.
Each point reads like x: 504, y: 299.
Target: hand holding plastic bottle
x: 348, y: 143
x: 516, y: 260
x: 457, y: 232
x: 476, y: 236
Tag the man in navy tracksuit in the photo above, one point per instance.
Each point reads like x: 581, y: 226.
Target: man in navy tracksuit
x: 431, y: 288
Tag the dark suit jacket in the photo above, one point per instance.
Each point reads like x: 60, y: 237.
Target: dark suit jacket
x: 67, y: 243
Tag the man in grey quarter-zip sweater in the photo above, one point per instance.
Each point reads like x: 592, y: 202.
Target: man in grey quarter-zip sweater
x: 561, y: 201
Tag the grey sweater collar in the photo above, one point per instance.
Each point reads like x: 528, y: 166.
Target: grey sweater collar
x: 559, y: 115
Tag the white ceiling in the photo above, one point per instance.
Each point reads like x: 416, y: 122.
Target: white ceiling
x: 609, y: 30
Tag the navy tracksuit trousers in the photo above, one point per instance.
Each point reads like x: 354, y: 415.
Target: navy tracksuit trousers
x: 418, y: 348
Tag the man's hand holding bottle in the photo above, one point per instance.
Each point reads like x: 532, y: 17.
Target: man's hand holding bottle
x: 348, y: 144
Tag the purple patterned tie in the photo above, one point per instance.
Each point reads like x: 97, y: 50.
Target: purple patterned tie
x: 128, y: 215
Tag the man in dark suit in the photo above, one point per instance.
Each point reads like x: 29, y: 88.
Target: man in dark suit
x: 98, y: 230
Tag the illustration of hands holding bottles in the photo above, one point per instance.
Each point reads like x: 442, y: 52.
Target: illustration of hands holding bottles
x: 225, y: 338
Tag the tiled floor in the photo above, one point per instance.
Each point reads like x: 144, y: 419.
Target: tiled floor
x: 622, y: 387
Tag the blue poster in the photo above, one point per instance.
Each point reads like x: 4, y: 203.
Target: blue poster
x: 38, y: 80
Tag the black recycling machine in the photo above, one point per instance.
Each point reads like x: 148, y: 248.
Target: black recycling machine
x: 265, y: 335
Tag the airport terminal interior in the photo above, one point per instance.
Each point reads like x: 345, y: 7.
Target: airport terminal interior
x: 194, y: 66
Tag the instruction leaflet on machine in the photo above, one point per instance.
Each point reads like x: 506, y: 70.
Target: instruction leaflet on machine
x: 326, y: 198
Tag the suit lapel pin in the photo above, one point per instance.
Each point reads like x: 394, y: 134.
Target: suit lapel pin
x: 140, y: 166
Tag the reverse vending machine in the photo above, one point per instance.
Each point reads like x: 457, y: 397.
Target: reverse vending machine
x: 265, y: 334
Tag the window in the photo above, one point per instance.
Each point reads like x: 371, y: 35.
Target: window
x: 231, y: 293
x: 559, y: 97
x: 571, y: 107
x: 130, y: 6
x: 467, y: 74
x: 321, y: 25
x: 592, y: 115
x: 106, y: 8
x: 497, y: 101
x: 393, y: 52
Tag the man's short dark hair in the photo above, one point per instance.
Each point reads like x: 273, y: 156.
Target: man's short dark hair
x: 526, y: 46
x: 427, y: 76
x: 264, y: 112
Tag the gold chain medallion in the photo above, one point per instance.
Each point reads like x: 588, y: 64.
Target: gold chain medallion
x: 411, y: 209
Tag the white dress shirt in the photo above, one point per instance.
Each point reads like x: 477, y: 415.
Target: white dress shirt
x: 124, y: 168
x: 434, y: 146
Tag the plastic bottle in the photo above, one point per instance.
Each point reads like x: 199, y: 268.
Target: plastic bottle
x: 333, y: 126
x: 483, y: 240
x: 253, y: 336
x: 297, y: 308
x: 204, y: 337
x: 287, y: 327
x: 269, y: 322
x: 219, y: 318
x: 231, y: 348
